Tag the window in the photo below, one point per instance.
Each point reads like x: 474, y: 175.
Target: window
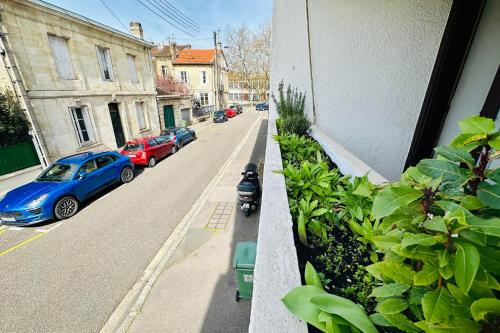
x: 104, y: 160
x: 152, y: 143
x: 184, y: 77
x: 141, y: 120
x: 230, y: 95
x: 203, y: 77
x: 204, y: 99
x: 88, y: 167
x: 164, y: 70
x: 231, y: 84
x: 105, y: 63
x: 131, y: 68
x: 62, y: 59
x: 160, y: 140
x: 82, y: 125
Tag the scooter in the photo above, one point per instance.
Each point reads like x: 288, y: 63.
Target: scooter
x: 249, y: 189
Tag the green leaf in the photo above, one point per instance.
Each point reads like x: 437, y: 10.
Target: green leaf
x: 298, y: 302
x: 483, y: 306
x: 436, y: 224
x: 391, y: 198
x: 494, y: 174
x: 416, y: 295
x: 490, y: 258
x: 436, y: 305
x: 363, y: 190
x: 401, y: 322
x: 489, y: 194
x: 455, y: 155
x: 396, y: 271
x: 443, y: 257
x: 478, y: 238
x: 488, y: 226
x: 319, y: 212
x: 389, y: 290
x: 476, y: 125
x: 311, y: 276
x: 471, y: 202
x: 459, y: 295
x: 447, y: 271
x: 445, y: 169
x: 495, y: 143
x: 301, y: 229
x: 460, y: 140
x: 346, y: 309
x: 379, y: 320
x: 454, y: 325
x: 428, y: 275
x: 420, y: 239
x: 466, y: 265
x: 392, y: 306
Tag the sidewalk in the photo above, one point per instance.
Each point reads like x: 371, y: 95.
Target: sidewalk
x: 196, y: 291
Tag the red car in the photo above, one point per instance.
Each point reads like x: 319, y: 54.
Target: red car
x: 146, y: 151
x: 230, y: 113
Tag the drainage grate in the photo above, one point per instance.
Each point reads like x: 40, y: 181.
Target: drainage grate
x: 220, y: 215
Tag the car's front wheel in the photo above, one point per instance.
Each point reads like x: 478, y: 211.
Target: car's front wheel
x: 174, y: 149
x: 151, y: 162
x: 66, y: 207
x: 127, y: 175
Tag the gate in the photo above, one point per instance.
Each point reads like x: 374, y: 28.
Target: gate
x: 17, y: 157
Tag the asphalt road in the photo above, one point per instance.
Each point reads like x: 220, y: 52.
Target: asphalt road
x: 70, y: 276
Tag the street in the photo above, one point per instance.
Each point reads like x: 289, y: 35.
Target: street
x: 70, y: 276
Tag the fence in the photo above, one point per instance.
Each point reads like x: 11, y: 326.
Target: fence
x: 17, y: 157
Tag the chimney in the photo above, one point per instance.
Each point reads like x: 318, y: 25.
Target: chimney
x: 136, y: 29
x: 173, y: 50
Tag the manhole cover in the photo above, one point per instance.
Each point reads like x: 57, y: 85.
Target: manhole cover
x: 220, y: 215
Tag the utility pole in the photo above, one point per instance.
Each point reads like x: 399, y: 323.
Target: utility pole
x: 216, y: 75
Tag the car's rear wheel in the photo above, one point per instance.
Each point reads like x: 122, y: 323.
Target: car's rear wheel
x: 152, y: 162
x: 127, y: 175
x: 174, y: 149
x: 66, y: 207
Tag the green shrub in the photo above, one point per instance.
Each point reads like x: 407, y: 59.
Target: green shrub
x: 298, y: 124
x: 291, y: 111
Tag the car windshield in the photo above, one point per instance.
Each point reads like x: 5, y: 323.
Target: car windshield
x: 218, y: 113
x: 167, y: 133
x: 58, y: 173
x: 134, y: 146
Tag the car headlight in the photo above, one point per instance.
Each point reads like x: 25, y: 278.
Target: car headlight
x: 38, y: 200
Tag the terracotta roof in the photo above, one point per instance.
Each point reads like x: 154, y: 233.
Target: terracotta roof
x: 190, y: 56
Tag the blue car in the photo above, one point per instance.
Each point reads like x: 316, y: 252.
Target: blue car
x: 262, y: 106
x: 59, y: 190
x: 179, y: 135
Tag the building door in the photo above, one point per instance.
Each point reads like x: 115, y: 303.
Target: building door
x: 168, y: 116
x: 185, y: 116
x: 117, y: 124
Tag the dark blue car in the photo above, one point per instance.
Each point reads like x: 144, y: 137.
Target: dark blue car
x: 59, y: 190
x: 262, y: 106
x: 179, y: 135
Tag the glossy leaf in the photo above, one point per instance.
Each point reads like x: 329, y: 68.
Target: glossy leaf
x: 389, y: 290
x: 396, y: 271
x: 471, y: 202
x: 379, y: 320
x: 392, y: 306
x: 480, y: 308
x: 401, y: 322
x: 391, y: 198
x: 489, y: 194
x: 439, y: 168
x: 459, y: 295
x: 455, y: 155
x: 428, y: 275
x: 494, y: 174
x: 466, y: 265
x: 420, y: 239
x: 487, y: 226
x: 298, y: 301
x: 476, y: 125
x: 436, y: 224
x: 436, y: 305
x: 346, y: 309
x: 495, y: 143
x: 311, y: 276
x: 454, y: 325
x: 490, y: 258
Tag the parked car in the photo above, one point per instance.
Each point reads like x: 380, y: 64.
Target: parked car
x: 147, y: 151
x: 262, y: 106
x: 63, y: 186
x: 220, y: 116
x: 237, y: 107
x: 179, y: 135
x: 230, y: 113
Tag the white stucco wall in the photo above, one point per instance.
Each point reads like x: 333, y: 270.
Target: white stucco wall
x: 478, y: 72
x: 372, y: 61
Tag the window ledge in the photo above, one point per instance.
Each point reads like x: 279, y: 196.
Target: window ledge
x: 144, y: 130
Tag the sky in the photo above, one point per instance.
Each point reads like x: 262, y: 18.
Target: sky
x: 211, y: 15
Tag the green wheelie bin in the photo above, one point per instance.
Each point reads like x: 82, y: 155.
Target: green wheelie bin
x: 244, y: 263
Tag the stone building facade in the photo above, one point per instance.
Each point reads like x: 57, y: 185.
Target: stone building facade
x: 88, y: 86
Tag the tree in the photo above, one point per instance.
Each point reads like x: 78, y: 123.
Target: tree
x: 13, y: 125
x: 170, y: 86
x: 249, y: 54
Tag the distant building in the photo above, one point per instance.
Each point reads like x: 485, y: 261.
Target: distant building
x: 247, y: 90
x: 85, y: 86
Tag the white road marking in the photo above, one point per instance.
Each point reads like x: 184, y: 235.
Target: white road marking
x: 50, y: 229
x: 16, y: 229
x: 130, y: 306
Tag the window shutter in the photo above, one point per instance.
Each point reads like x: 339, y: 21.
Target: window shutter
x: 140, y: 115
x: 62, y: 58
x: 131, y: 68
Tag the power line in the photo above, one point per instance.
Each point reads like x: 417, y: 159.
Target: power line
x: 116, y: 17
x: 173, y: 18
x: 181, y: 14
x: 151, y: 10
